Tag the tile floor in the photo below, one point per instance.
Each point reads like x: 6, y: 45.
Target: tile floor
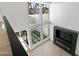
x: 48, y: 49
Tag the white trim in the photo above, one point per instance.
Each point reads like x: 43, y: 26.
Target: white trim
x: 49, y: 21
x: 29, y: 38
x: 40, y: 13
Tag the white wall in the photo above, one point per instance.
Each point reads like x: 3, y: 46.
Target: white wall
x: 1, y: 20
x: 65, y: 15
x: 16, y: 13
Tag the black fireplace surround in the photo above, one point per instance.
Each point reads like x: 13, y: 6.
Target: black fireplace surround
x: 65, y: 39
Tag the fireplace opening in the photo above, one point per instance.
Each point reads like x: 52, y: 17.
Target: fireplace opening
x: 65, y: 39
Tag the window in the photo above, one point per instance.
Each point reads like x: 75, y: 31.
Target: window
x: 34, y: 8
x: 45, y: 8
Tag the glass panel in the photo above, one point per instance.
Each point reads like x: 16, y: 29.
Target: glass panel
x: 45, y: 31
x: 36, y: 34
x: 45, y: 19
x: 39, y: 22
x: 34, y: 13
x: 22, y: 36
x: 45, y: 12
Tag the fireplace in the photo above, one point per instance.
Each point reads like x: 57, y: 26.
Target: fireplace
x: 65, y: 39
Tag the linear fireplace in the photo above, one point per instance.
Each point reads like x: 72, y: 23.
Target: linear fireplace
x: 65, y: 39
